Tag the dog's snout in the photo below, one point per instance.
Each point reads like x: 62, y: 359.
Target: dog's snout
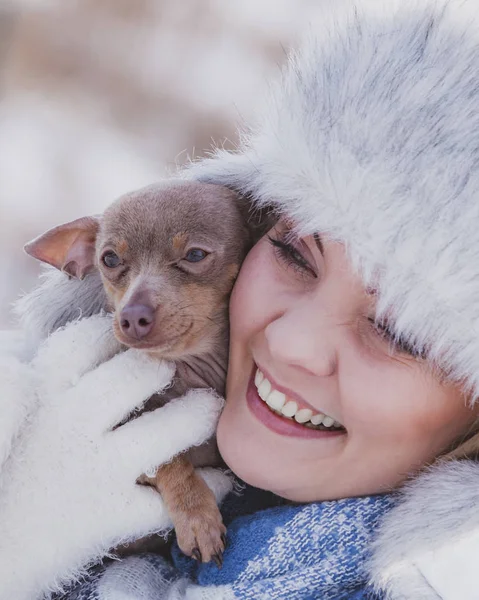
x: 137, y: 320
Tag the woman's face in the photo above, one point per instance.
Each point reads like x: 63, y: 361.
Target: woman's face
x: 303, y: 318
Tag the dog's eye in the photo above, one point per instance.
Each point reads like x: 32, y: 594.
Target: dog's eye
x: 111, y: 260
x: 195, y: 255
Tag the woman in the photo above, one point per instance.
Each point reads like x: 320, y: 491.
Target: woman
x: 354, y: 324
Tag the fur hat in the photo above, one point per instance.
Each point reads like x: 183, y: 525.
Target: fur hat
x: 372, y: 137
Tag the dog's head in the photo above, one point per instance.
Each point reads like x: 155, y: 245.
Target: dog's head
x: 168, y: 255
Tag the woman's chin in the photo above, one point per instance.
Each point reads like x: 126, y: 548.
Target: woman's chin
x: 240, y: 448
x: 251, y: 454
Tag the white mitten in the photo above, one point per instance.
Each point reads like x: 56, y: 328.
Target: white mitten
x: 68, y: 493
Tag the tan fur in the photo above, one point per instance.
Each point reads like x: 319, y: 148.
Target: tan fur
x: 122, y: 247
x: 179, y: 240
x: 207, y: 302
x: 114, y: 293
x: 233, y: 271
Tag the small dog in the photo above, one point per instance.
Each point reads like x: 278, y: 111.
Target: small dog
x: 168, y: 256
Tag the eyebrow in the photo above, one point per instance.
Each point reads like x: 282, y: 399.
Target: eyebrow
x: 319, y: 243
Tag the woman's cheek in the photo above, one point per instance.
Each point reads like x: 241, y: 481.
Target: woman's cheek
x: 251, y: 298
x: 248, y: 316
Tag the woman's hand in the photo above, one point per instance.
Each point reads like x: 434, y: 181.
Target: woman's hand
x: 68, y: 493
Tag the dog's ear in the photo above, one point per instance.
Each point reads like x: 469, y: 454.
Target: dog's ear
x: 69, y: 247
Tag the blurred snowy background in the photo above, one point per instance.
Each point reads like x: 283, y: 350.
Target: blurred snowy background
x: 98, y: 97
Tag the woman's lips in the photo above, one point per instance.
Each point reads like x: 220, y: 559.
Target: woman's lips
x: 281, y: 425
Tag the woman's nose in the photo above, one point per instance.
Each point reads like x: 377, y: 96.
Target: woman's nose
x: 297, y: 339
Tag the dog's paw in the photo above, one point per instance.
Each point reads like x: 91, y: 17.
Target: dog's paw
x: 202, y: 535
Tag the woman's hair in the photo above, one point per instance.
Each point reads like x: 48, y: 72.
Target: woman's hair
x: 464, y: 447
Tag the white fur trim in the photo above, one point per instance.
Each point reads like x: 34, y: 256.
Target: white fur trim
x: 13, y: 343
x: 452, y: 569
x: 372, y: 137
x: 57, y: 301
x: 427, y: 547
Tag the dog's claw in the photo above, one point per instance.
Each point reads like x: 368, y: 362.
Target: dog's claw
x: 223, y: 539
x: 196, y: 554
x: 218, y: 558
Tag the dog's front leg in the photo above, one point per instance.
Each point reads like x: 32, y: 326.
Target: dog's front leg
x: 192, y: 507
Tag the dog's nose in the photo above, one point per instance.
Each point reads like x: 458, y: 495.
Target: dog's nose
x: 136, y: 320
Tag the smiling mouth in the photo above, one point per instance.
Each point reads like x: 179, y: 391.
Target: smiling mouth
x: 289, y: 409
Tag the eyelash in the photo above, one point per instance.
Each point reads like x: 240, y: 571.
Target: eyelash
x: 384, y: 332
x: 293, y: 258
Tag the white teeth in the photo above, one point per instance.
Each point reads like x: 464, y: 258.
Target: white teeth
x: 258, y: 378
x: 317, y: 419
x: 290, y: 408
x: 264, y: 389
x: 278, y: 401
x: 303, y: 415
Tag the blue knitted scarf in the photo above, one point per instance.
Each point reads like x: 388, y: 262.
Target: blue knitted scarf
x: 285, y: 552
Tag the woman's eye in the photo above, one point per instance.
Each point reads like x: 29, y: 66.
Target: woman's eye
x: 195, y: 255
x: 384, y: 331
x: 291, y: 256
x: 111, y: 260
